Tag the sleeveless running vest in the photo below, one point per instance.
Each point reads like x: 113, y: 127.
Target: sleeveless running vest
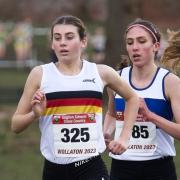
x: 147, y: 141
x: 71, y: 126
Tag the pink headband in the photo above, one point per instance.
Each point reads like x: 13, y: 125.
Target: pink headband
x: 152, y: 33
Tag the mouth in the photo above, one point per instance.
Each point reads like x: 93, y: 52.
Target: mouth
x: 64, y: 52
x: 136, y: 56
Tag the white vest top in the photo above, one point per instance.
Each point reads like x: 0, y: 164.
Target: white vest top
x: 147, y: 141
x: 71, y: 126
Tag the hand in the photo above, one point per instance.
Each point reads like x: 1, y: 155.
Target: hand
x: 107, y: 138
x: 38, y: 103
x: 117, y: 147
x: 143, y: 110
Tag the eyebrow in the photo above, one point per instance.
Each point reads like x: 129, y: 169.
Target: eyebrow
x: 65, y: 33
x: 136, y: 37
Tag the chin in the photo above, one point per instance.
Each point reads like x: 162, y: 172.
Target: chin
x: 138, y: 64
x: 65, y: 59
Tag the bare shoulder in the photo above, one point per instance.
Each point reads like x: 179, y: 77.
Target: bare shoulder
x: 102, y: 67
x: 108, y: 74
x: 35, y: 76
x: 105, y: 70
x: 172, y: 84
x: 172, y: 79
x: 37, y: 70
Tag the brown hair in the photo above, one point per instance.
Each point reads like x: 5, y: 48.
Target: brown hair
x: 70, y: 20
x: 171, y: 56
x: 124, y: 62
x: 149, y: 26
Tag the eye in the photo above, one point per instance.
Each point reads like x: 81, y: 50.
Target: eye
x: 129, y: 41
x: 142, y: 40
x: 69, y: 37
x: 57, y: 37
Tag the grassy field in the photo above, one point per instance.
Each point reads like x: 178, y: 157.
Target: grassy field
x: 20, y: 158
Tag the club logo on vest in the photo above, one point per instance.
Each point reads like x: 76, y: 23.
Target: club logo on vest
x: 89, y: 80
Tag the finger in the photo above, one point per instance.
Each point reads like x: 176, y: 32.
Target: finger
x: 118, y: 148
x: 36, y: 99
x: 39, y: 96
x: 113, y: 147
x: 117, y: 151
x: 111, y: 144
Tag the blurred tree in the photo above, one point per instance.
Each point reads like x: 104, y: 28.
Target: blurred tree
x: 114, y: 31
x: 119, y: 15
x: 43, y: 12
x: 115, y: 13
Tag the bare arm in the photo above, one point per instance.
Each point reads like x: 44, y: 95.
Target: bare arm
x: 172, y: 128
x: 110, y: 119
x: 27, y: 109
x: 113, y: 80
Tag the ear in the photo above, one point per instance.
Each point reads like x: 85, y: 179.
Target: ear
x: 84, y: 42
x: 156, y: 46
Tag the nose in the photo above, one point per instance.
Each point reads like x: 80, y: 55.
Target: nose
x: 62, y: 42
x: 135, y: 46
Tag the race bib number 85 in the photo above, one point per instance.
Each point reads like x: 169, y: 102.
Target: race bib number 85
x: 143, y: 138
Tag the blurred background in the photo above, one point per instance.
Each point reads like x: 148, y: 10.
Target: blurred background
x: 24, y: 43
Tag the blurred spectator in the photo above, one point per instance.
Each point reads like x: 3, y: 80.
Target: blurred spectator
x: 23, y: 34
x: 3, y: 38
x: 98, y: 42
x: 171, y: 56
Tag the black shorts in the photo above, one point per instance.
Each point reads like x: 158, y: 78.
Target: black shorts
x: 158, y: 169
x: 89, y: 169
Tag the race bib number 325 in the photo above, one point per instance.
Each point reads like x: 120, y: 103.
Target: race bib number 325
x: 75, y: 135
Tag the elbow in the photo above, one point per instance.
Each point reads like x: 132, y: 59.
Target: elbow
x: 15, y: 130
x: 136, y: 97
x: 135, y: 100
x: 14, y: 127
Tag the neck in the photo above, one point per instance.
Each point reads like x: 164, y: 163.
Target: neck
x: 70, y: 68
x: 144, y: 72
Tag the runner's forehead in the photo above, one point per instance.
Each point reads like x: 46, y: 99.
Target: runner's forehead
x: 136, y: 32
x: 63, y: 28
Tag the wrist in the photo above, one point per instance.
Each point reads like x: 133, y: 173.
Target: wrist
x: 125, y: 135
x: 152, y: 117
x: 34, y: 115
